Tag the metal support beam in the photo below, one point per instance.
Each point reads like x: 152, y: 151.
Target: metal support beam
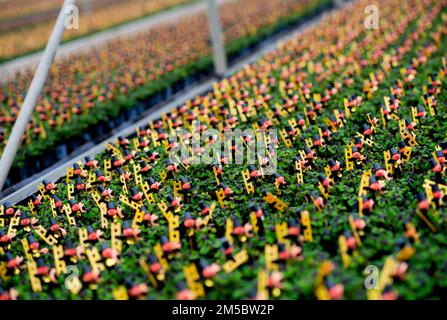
x: 34, y: 91
x: 219, y: 56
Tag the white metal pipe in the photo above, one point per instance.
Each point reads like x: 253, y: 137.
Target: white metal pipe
x: 219, y: 55
x: 34, y: 91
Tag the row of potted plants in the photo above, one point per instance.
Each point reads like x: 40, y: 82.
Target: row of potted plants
x: 24, y: 34
x: 95, y: 87
x: 354, y: 210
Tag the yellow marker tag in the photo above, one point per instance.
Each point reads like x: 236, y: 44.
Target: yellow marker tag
x: 123, y: 184
x: 138, y: 218
x: 407, y: 154
x: 354, y: 231
x: 163, y: 175
x: 42, y: 189
x: 91, y: 177
x: 305, y: 221
x: 364, y: 182
x: 3, y: 271
x: 344, y: 251
x: 366, y: 141
x: 321, y: 292
x: 136, y: 173
x: 271, y: 255
x: 323, y: 190
x: 414, y: 113
x: 48, y: 238
x: 299, y: 173
x: 69, y: 175
x: 25, y: 247
x: 2, y: 215
x: 254, y: 222
x: 229, y: 230
x: 53, y: 207
x: 383, y: 118
x: 216, y: 175
x: 70, y: 191
x: 248, y: 185
x: 174, y: 233
x: 309, y: 143
x: 388, y: 165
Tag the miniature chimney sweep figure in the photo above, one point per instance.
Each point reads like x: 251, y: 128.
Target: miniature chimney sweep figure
x: 137, y: 195
x: 254, y: 172
x: 154, y: 185
x: 90, y: 277
x: 57, y: 202
x: 49, y: 186
x: 169, y: 247
x: 438, y: 170
x: 204, y: 208
x: 77, y: 207
x: 56, y: 229
x: 136, y: 291
x: 117, y: 162
x: 25, y: 221
x: 13, y: 263
x: 109, y: 255
x: 227, y: 248
x: 37, y: 199
x: 130, y: 233
x: 335, y: 168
